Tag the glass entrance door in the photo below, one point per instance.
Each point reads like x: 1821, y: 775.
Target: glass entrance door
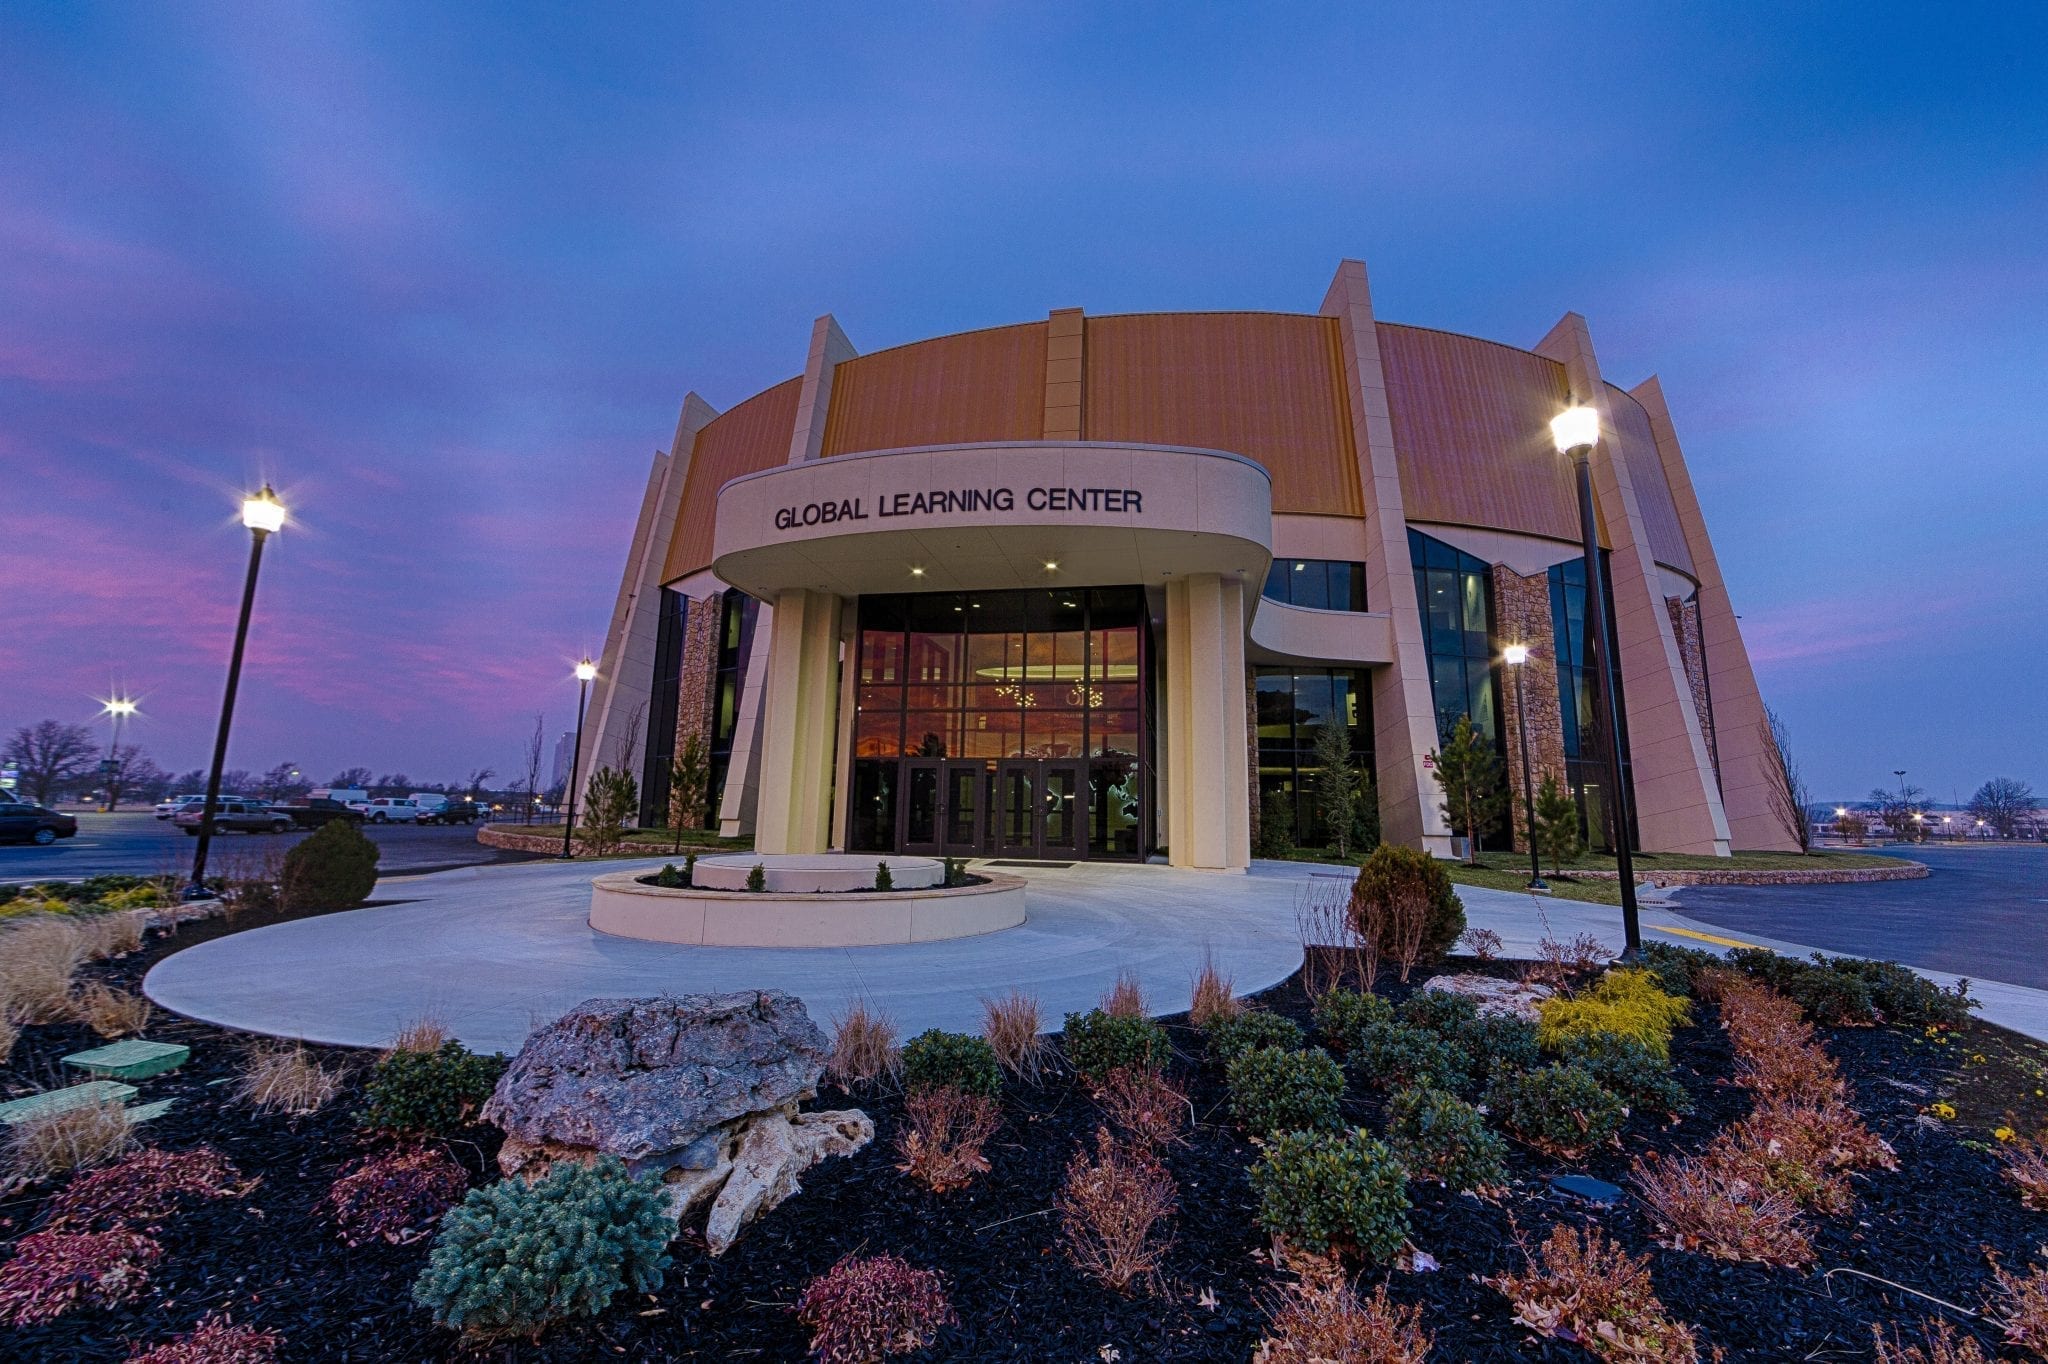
x: 942, y: 814
x: 1041, y: 809
x: 961, y: 814
x: 919, y: 819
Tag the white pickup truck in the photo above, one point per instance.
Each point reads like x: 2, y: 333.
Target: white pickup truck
x: 389, y: 810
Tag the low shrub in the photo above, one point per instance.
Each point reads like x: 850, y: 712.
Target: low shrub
x: 866, y: 1309
x: 1228, y: 1038
x: 39, y: 959
x: 950, y: 1060
x: 1403, y: 901
x: 514, y: 1258
x: 396, y: 1197
x: 1011, y: 1026
x: 1583, y: 1287
x: 1110, y: 1210
x: 1333, y: 1191
x: 1400, y: 1056
x: 1558, y: 1109
x: 1483, y: 943
x: 2018, y: 1306
x: 884, y: 878
x: 1319, y: 1318
x: 74, y: 1139
x: 1562, y: 965
x: 1676, y: 967
x: 668, y: 878
x: 1213, y: 1000
x: 281, y: 1077
x: 428, y: 1093
x: 1711, y: 1204
x: 1098, y: 1042
x: 757, y: 878
x: 1900, y: 994
x: 2024, y: 1162
x: 334, y: 868
x: 1944, y: 1346
x: 1143, y: 1105
x: 216, y: 1340
x: 1341, y: 1016
x: 948, y: 1129
x: 864, y: 1051
x: 51, y: 1271
x: 1126, y: 998
x: 1641, y: 1077
x: 1487, y: 1044
x: 1440, y: 1012
x: 111, y: 1012
x: 1627, y: 1002
x: 1272, y: 1090
x: 1441, y: 1137
x: 142, y: 1188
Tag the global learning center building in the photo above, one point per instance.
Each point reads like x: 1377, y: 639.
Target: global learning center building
x: 1091, y: 588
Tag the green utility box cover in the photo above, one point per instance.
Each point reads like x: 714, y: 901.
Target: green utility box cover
x: 131, y: 1060
x: 64, y: 1100
x: 144, y: 1112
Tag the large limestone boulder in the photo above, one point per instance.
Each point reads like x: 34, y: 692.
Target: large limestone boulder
x: 1515, y: 998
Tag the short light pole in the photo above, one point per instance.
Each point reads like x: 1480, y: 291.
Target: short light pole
x: 119, y: 708
x: 1576, y: 430
x: 584, y: 672
x: 1841, y: 816
x: 1515, y: 656
x: 263, y: 514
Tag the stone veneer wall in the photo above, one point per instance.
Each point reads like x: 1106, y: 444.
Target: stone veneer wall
x: 1521, y: 609
x: 699, y: 673
x: 1685, y: 626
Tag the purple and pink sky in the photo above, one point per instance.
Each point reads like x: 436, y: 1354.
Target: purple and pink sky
x: 444, y: 273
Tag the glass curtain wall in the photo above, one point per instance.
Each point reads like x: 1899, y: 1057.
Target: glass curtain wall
x: 1585, y: 750
x: 661, y: 707
x: 737, y: 612
x: 1294, y: 706
x: 1455, y: 591
x: 1327, y: 584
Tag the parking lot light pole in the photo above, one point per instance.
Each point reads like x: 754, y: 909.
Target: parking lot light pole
x: 584, y: 672
x: 263, y: 514
x: 1515, y: 656
x: 119, y: 708
x: 1575, y: 431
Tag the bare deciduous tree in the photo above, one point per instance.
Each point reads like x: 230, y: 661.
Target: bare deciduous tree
x: 626, y: 755
x: 2002, y: 803
x: 49, y: 753
x: 1784, y: 787
x: 130, y: 773
x: 529, y: 783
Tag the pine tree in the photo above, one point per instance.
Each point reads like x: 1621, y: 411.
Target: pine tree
x: 1557, y: 824
x: 689, y: 782
x: 1469, y: 771
x: 1336, y: 784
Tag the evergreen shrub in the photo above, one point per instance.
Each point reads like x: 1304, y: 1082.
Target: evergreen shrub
x: 951, y: 1060
x: 1439, y: 1136
x: 1559, y: 1109
x: 1333, y: 1191
x: 1228, y: 1038
x: 1400, y: 1056
x: 1098, y: 1043
x: 1630, y: 1002
x: 1629, y: 1068
x: 1342, y: 1015
x: 1272, y: 1090
x: 428, y: 1093
x: 335, y: 868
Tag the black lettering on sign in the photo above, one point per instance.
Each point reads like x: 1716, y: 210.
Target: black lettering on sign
x: 962, y: 502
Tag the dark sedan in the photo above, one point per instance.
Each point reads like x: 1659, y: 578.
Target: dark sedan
x: 25, y: 822
x: 318, y: 810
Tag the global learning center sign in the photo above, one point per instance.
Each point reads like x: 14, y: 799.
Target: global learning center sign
x: 961, y: 502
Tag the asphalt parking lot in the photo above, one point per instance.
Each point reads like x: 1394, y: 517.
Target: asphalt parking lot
x: 139, y: 844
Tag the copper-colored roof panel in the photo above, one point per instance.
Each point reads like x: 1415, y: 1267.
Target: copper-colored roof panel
x: 1646, y: 472
x: 1269, y: 386
x: 744, y: 439
x: 1472, y: 431
x: 976, y: 386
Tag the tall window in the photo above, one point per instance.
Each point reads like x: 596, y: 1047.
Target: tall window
x: 737, y: 612
x: 1294, y: 706
x: 1327, y: 584
x: 661, y: 706
x: 1585, y: 748
x: 1455, y: 591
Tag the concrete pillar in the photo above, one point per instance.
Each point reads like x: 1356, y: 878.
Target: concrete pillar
x: 1677, y: 802
x: 1207, y: 813
x: 829, y: 349
x: 1736, y: 704
x: 799, y: 724
x: 1403, y: 713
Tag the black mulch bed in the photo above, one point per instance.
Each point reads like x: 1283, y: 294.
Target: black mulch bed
x: 271, y: 1260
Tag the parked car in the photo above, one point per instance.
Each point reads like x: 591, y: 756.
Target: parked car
x: 24, y: 821
x: 234, y: 812
x: 439, y: 809
x: 390, y: 810
x: 168, y: 806
x: 314, y: 811
x: 347, y: 795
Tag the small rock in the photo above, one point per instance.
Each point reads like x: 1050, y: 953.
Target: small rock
x: 1514, y: 998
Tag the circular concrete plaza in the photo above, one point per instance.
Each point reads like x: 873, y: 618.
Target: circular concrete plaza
x: 491, y: 952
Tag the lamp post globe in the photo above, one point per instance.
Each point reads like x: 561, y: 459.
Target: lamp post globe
x: 585, y: 672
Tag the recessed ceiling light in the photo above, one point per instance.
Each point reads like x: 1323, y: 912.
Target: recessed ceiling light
x: 916, y: 570
x: 1052, y: 565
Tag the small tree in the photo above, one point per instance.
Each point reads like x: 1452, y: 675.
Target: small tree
x: 351, y: 778
x: 1557, y: 824
x: 48, y: 754
x: 280, y: 783
x: 129, y: 773
x: 2002, y: 803
x: 1784, y: 788
x: 1365, y: 815
x: 1403, y: 903
x: 1276, y: 824
x: 1336, y: 784
x: 334, y: 869
x: 1903, y: 810
x: 689, y: 782
x: 608, y: 802
x: 1469, y: 772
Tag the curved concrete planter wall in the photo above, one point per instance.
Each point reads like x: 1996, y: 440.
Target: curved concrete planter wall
x: 622, y: 906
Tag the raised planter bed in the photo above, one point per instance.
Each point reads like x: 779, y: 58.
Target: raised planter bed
x: 624, y: 905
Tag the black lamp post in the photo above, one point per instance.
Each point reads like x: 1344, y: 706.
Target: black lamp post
x: 1516, y: 655
x: 584, y: 672
x: 263, y: 514
x: 1576, y: 429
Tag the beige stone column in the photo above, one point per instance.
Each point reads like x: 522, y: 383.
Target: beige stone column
x: 1207, y: 814
x: 829, y: 349
x: 1736, y: 703
x: 1403, y: 714
x: 799, y: 724
x: 1677, y: 802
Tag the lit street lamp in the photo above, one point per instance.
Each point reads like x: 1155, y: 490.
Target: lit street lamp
x: 584, y: 672
x: 1516, y: 655
x: 263, y: 514
x: 1576, y: 430
x: 118, y: 708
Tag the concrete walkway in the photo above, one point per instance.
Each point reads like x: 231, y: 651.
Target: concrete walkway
x: 494, y: 951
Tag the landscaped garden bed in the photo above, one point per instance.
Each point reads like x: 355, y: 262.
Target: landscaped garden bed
x: 262, y: 1248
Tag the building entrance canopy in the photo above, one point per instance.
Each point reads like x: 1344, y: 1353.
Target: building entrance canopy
x: 1030, y: 514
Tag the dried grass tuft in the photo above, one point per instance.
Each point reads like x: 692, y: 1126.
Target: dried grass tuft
x: 942, y: 1147
x: 39, y: 958
x: 1320, y: 1318
x: 113, y: 935
x: 1011, y: 1026
x: 425, y: 1033
x: 216, y: 1340
x: 1715, y: 1206
x: 111, y: 1012
x: 864, y: 1050
x: 1944, y: 1346
x: 2018, y: 1306
x: 1214, y: 1000
x: 1126, y: 998
x: 1110, y: 1211
x: 280, y: 1077
x: 2025, y: 1164
x: 9, y: 1035
x: 75, y: 1139
x: 1582, y: 1286
x: 1144, y: 1105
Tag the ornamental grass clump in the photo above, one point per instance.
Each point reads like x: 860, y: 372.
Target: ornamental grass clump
x: 2024, y: 1162
x: 111, y: 1012
x: 141, y: 1189
x: 395, y: 1197
x: 1111, y: 1208
x: 1213, y: 1000
x: 1944, y: 1346
x: 1627, y: 1002
x: 282, y: 1077
x: 951, y: 1060
x: 1226, y: 1039
x: 216, y: 1340
x: 1273, y: 1091
x: 1125, y: 998
x: 73, y: 1139
x: 1011, y: 1026
x: 39, y: 958
x: 1441, y: 1137
x: 1559, y: 1110
x: 515, y: 1258
x: 948, y: 1130
x: 1143, y: 1105
x: 865, y: 1309
x: 1580, y: 1286
x: 1712, y: 1205
x: 52, y: 1271
x: 1630, y: 1069
x: 1098, y: 1042
x: 1320, y: 1319
x: 1341, y: 1192
x: 1342, y: 1016
x: 1401, y: 1056
x: 428, y: 1093
x: 864, y: 1052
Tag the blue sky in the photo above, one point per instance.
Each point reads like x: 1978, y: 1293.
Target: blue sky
x: 445, y: 273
